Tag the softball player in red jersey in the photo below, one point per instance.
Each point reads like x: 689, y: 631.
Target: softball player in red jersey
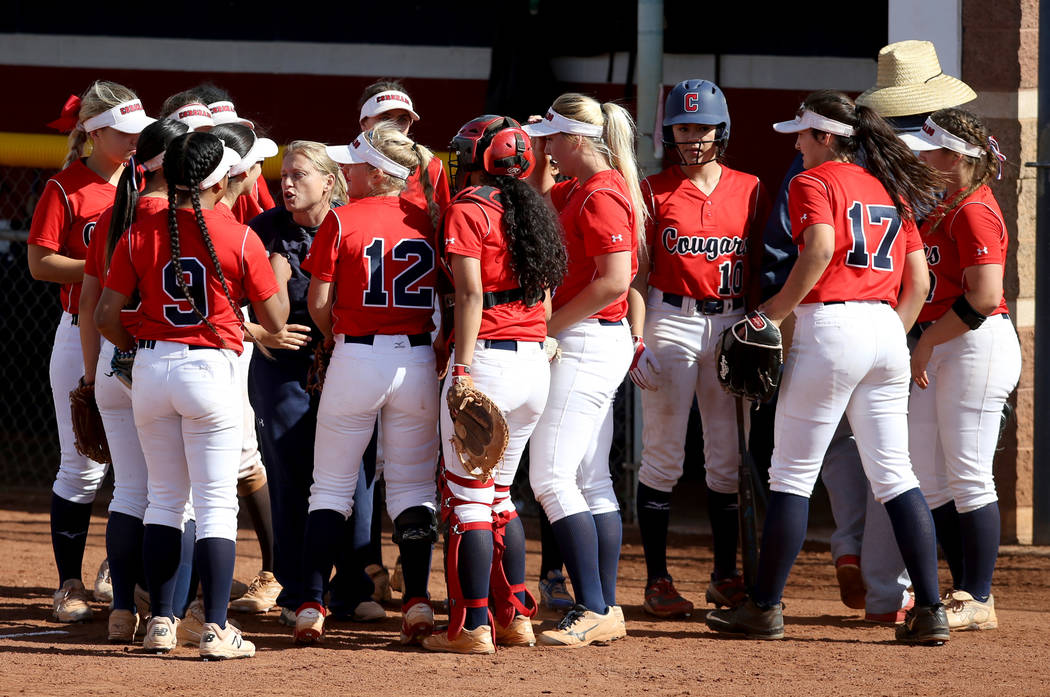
x: 372, y: 263
x: 602, y: 218
x: 695, y: 273
x: 967, y: 360
x: 859, y: 282
x: 126, y: 510
x: 187, y: 264
x: 111, y: 117
x: 503, y: 248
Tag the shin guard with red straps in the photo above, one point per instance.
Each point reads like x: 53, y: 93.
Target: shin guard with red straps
x: 457, y: 604
x: 505, y: 602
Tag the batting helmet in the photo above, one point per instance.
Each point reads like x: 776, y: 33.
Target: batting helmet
x: 495, y: 144
x: 697, y: 101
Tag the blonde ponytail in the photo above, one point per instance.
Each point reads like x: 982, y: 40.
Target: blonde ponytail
x: 619, y: 137
x: 389, y: 140
x: 99, y: 98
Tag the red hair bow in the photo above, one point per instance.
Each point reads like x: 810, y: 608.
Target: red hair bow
x: 70, y: 115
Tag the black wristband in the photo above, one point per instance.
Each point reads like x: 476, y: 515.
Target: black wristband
x: 970, y: 317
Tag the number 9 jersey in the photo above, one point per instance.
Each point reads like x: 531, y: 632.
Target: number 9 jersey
x: 379, y: 252
x: 871, y: 239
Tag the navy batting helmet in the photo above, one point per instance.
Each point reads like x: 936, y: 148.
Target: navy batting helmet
x: 697, y: 101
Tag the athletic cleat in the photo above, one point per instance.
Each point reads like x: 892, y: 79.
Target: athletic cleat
x: 142, y: 601
x: 727, y: 592
x: 287, y: 617
x: 381, y: 580
x: 965, y: 612
x: 553, y: 593
x: 122, y: 626
x: 924, y: 625
x: 851, y: 583
x: 621, y: 631
x: 890, y: 618
x: 218, y: 644
x: 581, y: 627
x: 749, y: 620
x: 309, y: 623
x: 103, y: 592
x: 397, y: 583
x: 71, y: 602
x: 191, y: 627
x: 517, y: 633
x: 368, y: 611
x: 261, y: 595
x: 472, y: 641
x: 418, y: 622
x: 237, y: 589
x: 161, y: 635
x: 663, y: 600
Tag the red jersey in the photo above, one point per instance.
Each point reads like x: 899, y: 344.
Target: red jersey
x: 247, y: 207
x: 473, y: 227
x: 700, y: 243
x: 142, y: 260
x: 414, y: 187
x: 95, y: 263
x: 379, y: 252
x: 596, y: 218
x: 871, y: 239
x: 66, y: 215
x: 972, y: 233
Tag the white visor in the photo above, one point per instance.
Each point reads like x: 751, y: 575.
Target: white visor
x: 361, y: 151
x: 195, y: 116
x: 388, y: 101
x: 811, y: 119
x: 128, y: 117
x: 225, y: 112
x: 554, y: 122
x: 154, y: 163
x: 229, y: 159
x: 260, y: 150
x: 931, y: 137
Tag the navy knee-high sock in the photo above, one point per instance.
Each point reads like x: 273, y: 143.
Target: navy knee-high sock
x: 160, y: 558
x: 475, y: 567
x: 514, y: 554
x: 723, y: 511
x: 124, y: 551
x: 216, y: 557
x: 980, y: 537
x: 550, y: 553
x: 946, y: 520
x: 69, y: 528
x: 324, y: 530
x: 186, y: 578
x: 654, y: 517
x: 913, y: 528
x: 782, y: 536
x: 578, y: 540
x: 257, y: 504
x: 415, y: 567
x: 609, y: 527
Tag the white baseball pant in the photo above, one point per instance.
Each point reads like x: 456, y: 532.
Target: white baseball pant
x: 847, y: 358
x: 129, y: 464
x: 392, y: 379
x: 954, y: 422
x: 686, y: 345
x: 189, y: 416
x: 517, y: 381
x: 78, y: 478
x: 569, y: 452
x: 250, y: 457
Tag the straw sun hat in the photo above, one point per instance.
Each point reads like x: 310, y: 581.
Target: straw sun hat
x: 910, y: 81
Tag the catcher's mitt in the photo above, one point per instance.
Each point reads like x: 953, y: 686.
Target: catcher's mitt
x: 479, y: 430
x: 750, y: 354
x: 88, y: 433
x: 315, y: 374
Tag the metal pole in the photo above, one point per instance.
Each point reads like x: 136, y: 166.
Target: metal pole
x: 1041, y: 444
x: 650, y: 77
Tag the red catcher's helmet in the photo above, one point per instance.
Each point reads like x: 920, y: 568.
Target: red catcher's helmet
x: 495, y: 144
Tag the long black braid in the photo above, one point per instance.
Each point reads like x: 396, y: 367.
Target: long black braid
x: 537, y: 251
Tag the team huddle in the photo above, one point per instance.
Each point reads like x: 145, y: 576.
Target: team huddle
x: 297, y: 359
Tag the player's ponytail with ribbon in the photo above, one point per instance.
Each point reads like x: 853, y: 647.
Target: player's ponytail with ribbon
x: 911, y: 184
x: 153, y: 141
x: 97, y: 99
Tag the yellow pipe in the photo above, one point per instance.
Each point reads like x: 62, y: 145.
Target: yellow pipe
x: 48, y: 151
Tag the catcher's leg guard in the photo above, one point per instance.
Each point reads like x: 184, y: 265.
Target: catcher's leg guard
x: 505, y: 602
x: 457, y: 602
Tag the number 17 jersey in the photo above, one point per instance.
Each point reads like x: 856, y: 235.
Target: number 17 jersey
x: 871, y: 238
x: 379, y: 253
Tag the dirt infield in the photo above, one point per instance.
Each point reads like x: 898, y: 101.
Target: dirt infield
x: 828, y: 650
